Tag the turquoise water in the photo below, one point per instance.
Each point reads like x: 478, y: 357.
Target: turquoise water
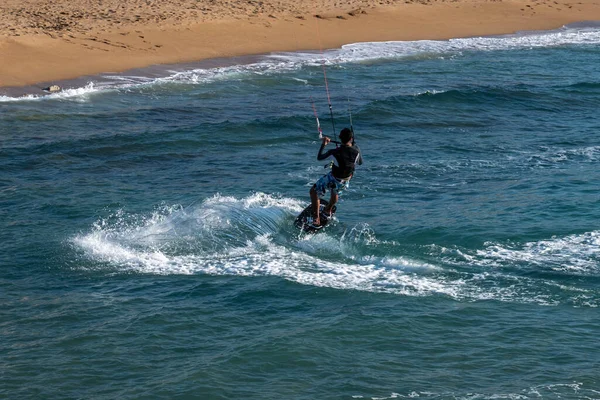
x: 148, y: 247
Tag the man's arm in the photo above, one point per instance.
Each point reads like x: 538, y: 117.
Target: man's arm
x: 359, y: 159
x: 321, y: 155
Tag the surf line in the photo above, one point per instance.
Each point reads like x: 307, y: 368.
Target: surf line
x: 337, y: 143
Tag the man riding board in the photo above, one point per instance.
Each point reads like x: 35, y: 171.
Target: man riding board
x: 346, y: 156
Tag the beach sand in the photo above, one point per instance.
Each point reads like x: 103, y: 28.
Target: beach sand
x: 51, y: 40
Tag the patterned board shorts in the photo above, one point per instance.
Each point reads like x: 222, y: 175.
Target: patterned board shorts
x: 329, y: 182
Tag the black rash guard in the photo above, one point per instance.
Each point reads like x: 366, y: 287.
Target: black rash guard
x: 346, y: 157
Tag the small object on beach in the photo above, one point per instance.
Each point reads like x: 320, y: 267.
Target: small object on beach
x: 53, y: 88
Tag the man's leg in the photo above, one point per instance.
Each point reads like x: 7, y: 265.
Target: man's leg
x: 332, y: 201
x: 316, y: 204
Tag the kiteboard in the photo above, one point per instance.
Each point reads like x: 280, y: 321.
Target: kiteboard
x: 305, y: 217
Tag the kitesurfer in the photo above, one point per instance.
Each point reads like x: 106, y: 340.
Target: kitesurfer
x: 347, y: 156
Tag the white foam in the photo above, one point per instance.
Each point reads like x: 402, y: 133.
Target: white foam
x: 369, y: 51
x: 9, y: 99
x: 569, y: 390
x: 262, y: 257
x: 222, y: 237
x: 547, y: 156
x: 68, y: 93
x: 578, y: 254
x: 253, y: 236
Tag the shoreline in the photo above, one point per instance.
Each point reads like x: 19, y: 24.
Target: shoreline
x: 184, y: 71
x: 40, y: 59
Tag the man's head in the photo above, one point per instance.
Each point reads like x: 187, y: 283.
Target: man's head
x: 346, y: 135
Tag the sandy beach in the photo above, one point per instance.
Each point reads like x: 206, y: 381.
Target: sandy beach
x: 45, y: 41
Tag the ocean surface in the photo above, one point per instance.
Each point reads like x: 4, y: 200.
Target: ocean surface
x: 148, y: 248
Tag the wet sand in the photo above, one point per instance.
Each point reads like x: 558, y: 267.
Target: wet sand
x: 46, y: 41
